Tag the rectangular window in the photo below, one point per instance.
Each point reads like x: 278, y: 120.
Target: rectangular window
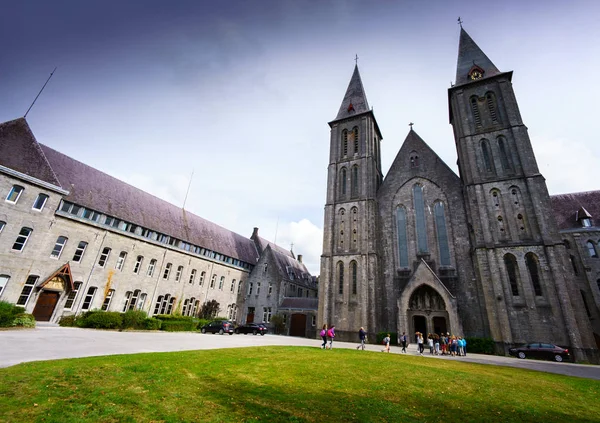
x: 151, y: 267
x: 79, y: 251
x: 167, y: 271
x: 142, y: 301
x: 27, y: 289
x: 266, y: 314
x: 65, y: 206
x: 202, y: 274
x: 134, y: 299
x: 138, y: 264
x: 40, y: 202
x: 240, y: 286
x: 75, y: 210
x: 22, y: 239
x: 89, y: 297
x: 221, y: 282
x: 121, y: 260
x: 250, y: 288
x: 299, y: 292
x: 128, y: 295
x: 192, y: 276
x: 314, y: 320
x: 107, y: 299
x: 232, y: 286
x: 257, y: 288
x: 14, y: 194
x: 2, y: 225
x: 61, y: 241
x: 72, y: 296
x: 157, y: 306
x: 178, y: 274
x: 212, y: 281
x: 104, y: 257
x: 3, y: 281
x: 270, y: 289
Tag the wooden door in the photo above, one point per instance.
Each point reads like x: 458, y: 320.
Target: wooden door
x: 45, y: 305
x: 298, y: 325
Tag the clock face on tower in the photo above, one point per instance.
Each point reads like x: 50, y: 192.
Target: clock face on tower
x: 475, y: 74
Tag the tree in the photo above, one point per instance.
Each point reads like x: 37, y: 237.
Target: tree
x: 209, y: 309
x: 277, y: 322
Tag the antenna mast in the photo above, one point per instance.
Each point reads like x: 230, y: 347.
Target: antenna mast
x: 36, y: 97
x: 188, y: 190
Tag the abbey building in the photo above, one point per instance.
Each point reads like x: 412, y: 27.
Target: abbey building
x: 486, y: 253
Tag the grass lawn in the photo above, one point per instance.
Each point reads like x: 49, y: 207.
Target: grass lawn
x: 288, y: 384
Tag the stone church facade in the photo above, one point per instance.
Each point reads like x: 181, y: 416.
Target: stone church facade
x: 423, y: 249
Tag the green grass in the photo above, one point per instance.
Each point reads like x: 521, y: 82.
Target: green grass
x: 288, y: 384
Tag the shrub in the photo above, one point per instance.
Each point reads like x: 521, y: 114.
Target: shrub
x: 24, y: 320
x: 8, y: 312
x: 381, y: 335
x: 277, y: 322
x: 134, y: 319
x: 178, y: 325
x: 173, y: 317
x: 203, y: 322
x: 152, y: 324
x: 480, y: 345
x: 68, y: 321
x: 104, y: 320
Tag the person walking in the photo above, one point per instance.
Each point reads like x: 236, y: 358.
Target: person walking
x: 331, y: 335
x: 404, y: 342
x: 324, y: 337
x: 420, y: 342
x: 430, y: 343
x: 386, y: 343
x: 362, y: 335
x: 436, y: 344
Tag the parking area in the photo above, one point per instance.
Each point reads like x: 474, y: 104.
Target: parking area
x: 51, y: 342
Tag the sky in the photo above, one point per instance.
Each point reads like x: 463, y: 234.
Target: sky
x: 239, y: 93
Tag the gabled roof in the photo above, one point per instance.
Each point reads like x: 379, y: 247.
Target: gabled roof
x: 567, y: 206
x: 469, y: 56
x: 20, y: 151
x: 355, y: 100
x: 98, y: 191
x: 64, y: 273
x: 287, y: 266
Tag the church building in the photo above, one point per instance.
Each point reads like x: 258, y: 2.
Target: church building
x: 479, y: 254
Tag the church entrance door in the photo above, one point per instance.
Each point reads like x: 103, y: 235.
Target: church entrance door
x: 298, y: 325
x: 439, y: 325
x: 420, y: 325
x: 45, y: 306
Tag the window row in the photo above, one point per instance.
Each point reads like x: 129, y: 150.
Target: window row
x: 484, y: 110
x: 116, y: 223
x: 591, y: 248
x: 488, y: 153
x: 343, y: 182
x: 15, y: 193
x: 352, y: 277
x: 515, y: 208
x: 514, y: 277
x: 349, y: 138
x: 347, y: 239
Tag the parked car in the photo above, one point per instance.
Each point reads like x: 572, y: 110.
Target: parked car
x: 218, y: 326
x: 253, y: 328
x: 541, y: 350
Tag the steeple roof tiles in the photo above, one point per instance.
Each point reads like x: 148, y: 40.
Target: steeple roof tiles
x: 355, y: 100
x: 101, y: 192
x: 470, y: 55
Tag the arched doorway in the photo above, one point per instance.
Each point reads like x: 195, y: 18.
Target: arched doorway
x: 427, y: 311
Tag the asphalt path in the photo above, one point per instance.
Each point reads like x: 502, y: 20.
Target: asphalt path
x: 51, y: 342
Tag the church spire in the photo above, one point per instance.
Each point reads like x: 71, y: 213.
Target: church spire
x: 355, y: 100
x: 472, y: 62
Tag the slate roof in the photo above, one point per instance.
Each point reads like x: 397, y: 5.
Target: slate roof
x: 566, y: 206
x: 355, y: 96
x: 469, y: 55
x: 287, y: 262
x: 300, y: 303
x: 20, y: 151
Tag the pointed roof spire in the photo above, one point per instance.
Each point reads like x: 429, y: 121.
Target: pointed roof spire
x: 472, y: 58
x: 355, y: 100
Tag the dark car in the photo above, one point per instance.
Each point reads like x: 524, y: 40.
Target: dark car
x: 541, y: 350
x: 218, y: 326
x: 253, y: 328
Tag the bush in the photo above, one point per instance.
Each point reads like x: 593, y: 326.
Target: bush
x: 277, y: 322
x: 68, y: 321
x: 103, y: 320
x: 179, y: 325
x: 152, y: 324
x: 381, y: 335
x: 480, y: 345
x: 24, y: 320
x: 174, y: 317
x: 134, y: 319
x: 203, y: 322
x: 8, y: 312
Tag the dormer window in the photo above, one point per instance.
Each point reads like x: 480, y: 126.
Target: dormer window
x: 584, y: 217
x: 586, y: 222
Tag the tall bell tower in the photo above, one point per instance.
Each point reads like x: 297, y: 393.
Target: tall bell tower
x: 349, y: 260
x: 516, y: 249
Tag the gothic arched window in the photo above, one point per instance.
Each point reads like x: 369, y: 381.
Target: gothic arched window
x: 354, y: 182
x: 475, y: 111
x: 342, y: 228
x: 355, y: 136
x: 402, y: 239
x: 512, y: 269
x: 343, y: 178
x: 490, y: 100
x: 420, y: 220
x: 591, y: 249
x: 354, y: 271
x: 344, y: 143
x: 487, y: 155
x: 440, y: 223
x: 340, y: 277
x: 532, y: 263
x: 503, y: 153
x: 354, y: 216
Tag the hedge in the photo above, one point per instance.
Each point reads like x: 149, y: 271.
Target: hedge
x: 381, y: 335
x: 104, y: 320
x: 480, y: 345
x: 24, y: 320
x: 134, y: 319
x: 68, y: 321
x: 152, y: 324
x: 8, y: 313
x: 178, y: 325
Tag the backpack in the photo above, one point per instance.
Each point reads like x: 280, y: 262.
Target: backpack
x: 323, y: 332
x: 329, y: 333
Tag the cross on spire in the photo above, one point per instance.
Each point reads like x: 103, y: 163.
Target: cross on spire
x: 356, y: 59
x: 460, y: 21
x: 411, y: 125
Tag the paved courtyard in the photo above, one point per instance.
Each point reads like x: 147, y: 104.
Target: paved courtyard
x: 50, y: 342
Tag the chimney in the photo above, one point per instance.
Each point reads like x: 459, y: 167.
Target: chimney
x: 300, y: 258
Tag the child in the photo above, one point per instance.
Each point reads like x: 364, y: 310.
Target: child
x: 386, y: 342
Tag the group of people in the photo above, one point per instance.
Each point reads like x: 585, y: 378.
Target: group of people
x: 327, y: 335
x: 443, y: 344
